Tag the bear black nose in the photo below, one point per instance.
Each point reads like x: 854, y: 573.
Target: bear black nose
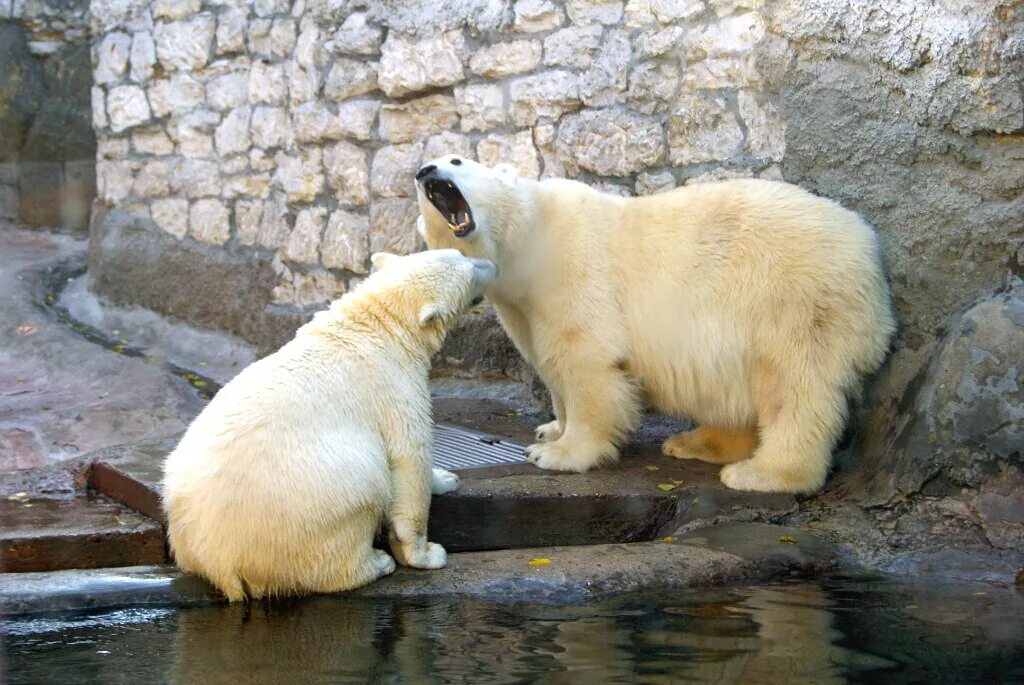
x: 425, y: 171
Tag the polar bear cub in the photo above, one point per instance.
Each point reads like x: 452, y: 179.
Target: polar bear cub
x: 752, y: 307
x: 280, y: 484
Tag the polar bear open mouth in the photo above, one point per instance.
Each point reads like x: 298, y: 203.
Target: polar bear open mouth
x: 448, y: 200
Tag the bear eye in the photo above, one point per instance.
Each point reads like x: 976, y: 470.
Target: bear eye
x: 456, y: 161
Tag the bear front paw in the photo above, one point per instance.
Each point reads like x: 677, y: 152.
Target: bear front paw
x: 432, y: 557
x: 549, y: 432
x: 557, y: 456
x: 442, y: 481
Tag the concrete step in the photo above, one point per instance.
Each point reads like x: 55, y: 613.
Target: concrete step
x: 83, y: 531
x: 718, y: 555
x: 643, y: 497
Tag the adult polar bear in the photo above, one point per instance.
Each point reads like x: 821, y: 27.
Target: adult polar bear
x: 751, y: 307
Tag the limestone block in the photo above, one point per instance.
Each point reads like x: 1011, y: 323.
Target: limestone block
x: 171, y: 215
x: 314, y: 123
x: 644, y: 12
x: 657, y: 41
x: 111, y: 58
x: 175, y: 95
x: 516, y: 149
x: 346, y: 243
x: 393, y: 226
x: 349, y: 77
x: 99, y: 107
x: 143, y: 56
x: 275, y: 223
x: 228, y: 91
x: 532, y: 16
x: 652, y: 86
x: 209, y: 221
x: 411, y: 120
x: 282, y: 37
x: 153, y: 179
x: 193, y: 133
x: 127, y: 107
x: 604, y: 83
x: 231, y: 30
x: 246, y: 185
x: 270, y: 127
x: 259, y: 37
x: 152, y: 141
x: 357, y: 118
x: 185, y: 45
x: 304, y: 242
x: 505, y: 59
x: 715, y: 73
x: 447, y: 143
x: 267, y: 83
x: 355, y: 36
x: 482, y: 107
x: 652, y: 183
x: 594, y: 11
x: 409, y: 65
x: 303, y: 84
x: 548, y: 94
x: 247, y: 220
x: 766, y: 129
x: 393, y: 169
x: 232, y: 136
x: 114, y: 180
x: 736, y: 34
x: 610, y: 142
x: 347, y: 173
x: 702, y: 129
x: 573, y: 47
x: 544, y: 137
x: 300, y: 175
x: 197, y: 178
x: 172, y: 10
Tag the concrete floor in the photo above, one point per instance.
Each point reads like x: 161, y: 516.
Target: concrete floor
x: 61, y: 395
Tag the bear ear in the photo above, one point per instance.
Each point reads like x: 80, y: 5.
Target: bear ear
x: 431, y: 313
x: 380, y: 260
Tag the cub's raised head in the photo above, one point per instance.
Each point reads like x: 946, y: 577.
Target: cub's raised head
x: 432, y: 287
x: 466, y: 205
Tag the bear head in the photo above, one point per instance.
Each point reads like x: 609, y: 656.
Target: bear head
x: 429, y: 289
x: 468, y: 206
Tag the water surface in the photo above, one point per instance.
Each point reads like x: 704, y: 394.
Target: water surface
x: 832, y: 631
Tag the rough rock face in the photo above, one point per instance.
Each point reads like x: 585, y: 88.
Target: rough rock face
x: 289, y: 133
x: 47, y: 145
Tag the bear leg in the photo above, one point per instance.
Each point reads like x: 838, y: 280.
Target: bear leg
x: 713, y: 444
x: 800, y: 419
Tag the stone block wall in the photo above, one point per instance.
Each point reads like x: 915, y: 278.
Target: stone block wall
x: 47, y: 145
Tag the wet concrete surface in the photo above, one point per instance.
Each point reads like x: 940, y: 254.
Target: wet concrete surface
x: 60, y: 395
x: 735, y: 553
x: 86, y: 531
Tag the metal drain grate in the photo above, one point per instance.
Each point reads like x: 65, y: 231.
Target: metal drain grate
x: 455, y: 448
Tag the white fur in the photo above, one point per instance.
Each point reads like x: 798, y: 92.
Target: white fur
x: 280, y: 484
x: 745, y: 305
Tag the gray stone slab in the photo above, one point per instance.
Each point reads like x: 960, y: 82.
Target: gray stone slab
x: 733, y: 553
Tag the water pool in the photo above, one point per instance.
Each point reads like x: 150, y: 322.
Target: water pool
x: 827, y: 631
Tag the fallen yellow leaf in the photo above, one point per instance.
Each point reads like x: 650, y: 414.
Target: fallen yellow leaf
x: 788, y: 538
x: 665, y: 487
x: 676, y: 482
x: 669, y: 539
x: 539, y: 562
x: 649, y: 467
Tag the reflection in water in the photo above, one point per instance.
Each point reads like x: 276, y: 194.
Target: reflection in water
x: 810, y: 632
